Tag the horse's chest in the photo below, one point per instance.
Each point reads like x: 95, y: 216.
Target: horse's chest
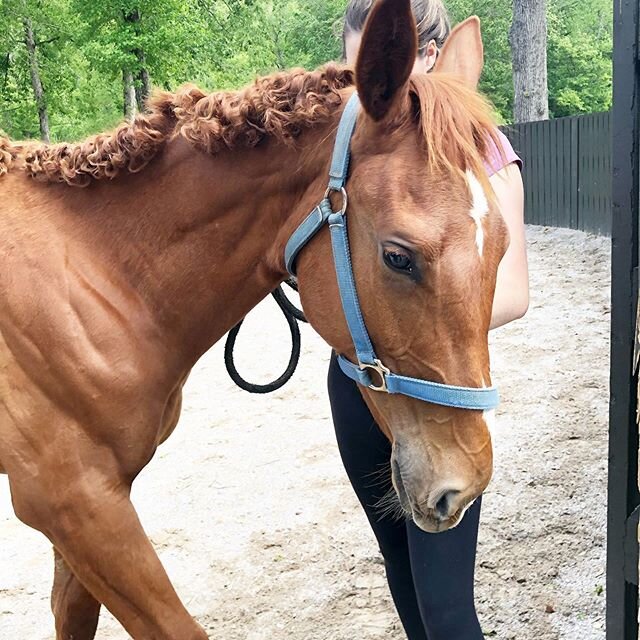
x: 171, y: 414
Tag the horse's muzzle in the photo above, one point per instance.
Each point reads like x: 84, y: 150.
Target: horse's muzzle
x: 439, y: 511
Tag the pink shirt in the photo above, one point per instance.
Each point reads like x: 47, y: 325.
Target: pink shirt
x: 495, y: 162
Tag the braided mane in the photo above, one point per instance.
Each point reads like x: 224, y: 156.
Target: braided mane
x: 280, y: 106
x: 456, y: 124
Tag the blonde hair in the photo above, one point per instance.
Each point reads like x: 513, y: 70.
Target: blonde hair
x: 431, y: 16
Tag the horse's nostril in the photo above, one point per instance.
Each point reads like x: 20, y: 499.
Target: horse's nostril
x: 444, y: 506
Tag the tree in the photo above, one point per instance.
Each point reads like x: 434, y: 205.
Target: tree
x: 36, y: 81
x: 528, y: 39
x: 135, y: 40
x: 19, y: 15
x: 580, y: 56
x: 76, y: 101
x: 97, y: 60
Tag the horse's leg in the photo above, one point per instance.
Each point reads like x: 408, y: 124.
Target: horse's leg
x: 91, y: 521
x: 76, y: 611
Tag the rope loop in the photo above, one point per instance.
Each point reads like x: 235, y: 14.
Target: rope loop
x: 293, y: 315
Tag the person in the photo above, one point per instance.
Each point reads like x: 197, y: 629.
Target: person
x: 431, y: 576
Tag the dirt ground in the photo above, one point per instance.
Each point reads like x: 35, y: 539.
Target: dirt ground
x: 252, y: 515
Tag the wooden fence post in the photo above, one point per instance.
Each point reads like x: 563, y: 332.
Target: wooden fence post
x: 624, y: 498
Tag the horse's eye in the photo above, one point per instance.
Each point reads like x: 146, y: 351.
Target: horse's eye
x: 398, y: 261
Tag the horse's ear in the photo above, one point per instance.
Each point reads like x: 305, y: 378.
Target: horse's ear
x: 463, y: 53
x: 386, y: 58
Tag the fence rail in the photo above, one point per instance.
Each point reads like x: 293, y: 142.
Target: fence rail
x: 567, y: 171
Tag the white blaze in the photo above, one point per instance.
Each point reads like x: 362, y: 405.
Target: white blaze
x: 490, y: 420
x: 479, y: 207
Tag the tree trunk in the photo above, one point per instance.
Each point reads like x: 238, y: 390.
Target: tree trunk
x: 528, y: 39
x: 36, y: 82
x: 143, y: 81
x: 280, y: 64
x: 129, y: 93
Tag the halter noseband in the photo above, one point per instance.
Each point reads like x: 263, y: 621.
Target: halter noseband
x: 368, y: 363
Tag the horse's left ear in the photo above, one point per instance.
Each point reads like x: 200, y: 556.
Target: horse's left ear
x: 463, y: 53
x: 387, y: 56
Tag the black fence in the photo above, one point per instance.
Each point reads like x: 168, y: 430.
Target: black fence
x: 623, y: 492
x: 567, y: 171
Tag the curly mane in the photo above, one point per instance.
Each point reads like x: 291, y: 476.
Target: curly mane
x: 456, y: 124
x: 8, y: 153
x: 281, y: 106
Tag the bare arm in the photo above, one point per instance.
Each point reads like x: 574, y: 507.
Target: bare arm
x: 511, y: 299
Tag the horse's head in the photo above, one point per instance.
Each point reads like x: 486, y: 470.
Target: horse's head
x: 426, y: 241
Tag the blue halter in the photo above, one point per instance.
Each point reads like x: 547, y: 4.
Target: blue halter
x: 368, y: 362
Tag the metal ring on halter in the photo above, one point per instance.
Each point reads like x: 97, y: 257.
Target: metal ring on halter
x: 345, y: 198
x: 382, y: 371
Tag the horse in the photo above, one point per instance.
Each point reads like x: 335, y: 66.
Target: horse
x: 127, y: 256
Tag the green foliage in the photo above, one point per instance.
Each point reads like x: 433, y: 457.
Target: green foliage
x: 84, y: 47
x: 580, y: 56
x: 580, y: 44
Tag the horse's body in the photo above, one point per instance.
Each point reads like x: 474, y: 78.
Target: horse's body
x: 97, y: 337
x: 130, y: 330
x: 110, y: 294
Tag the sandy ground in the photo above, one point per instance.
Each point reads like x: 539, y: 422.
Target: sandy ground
x: 251, y: 513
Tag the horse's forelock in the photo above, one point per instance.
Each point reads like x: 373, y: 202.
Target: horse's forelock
x: 457, y: 125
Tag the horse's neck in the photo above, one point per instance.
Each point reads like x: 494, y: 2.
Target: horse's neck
x: 201, y: 238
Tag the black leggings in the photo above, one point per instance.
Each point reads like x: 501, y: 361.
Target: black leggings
x: 430, y: 575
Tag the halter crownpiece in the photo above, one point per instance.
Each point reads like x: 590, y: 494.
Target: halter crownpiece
x: 368, y: 363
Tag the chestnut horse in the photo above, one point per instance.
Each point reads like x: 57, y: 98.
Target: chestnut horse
x: 110, y: 293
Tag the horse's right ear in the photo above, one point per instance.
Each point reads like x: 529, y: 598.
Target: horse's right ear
x: 463, y: 53
x: 386, y: 58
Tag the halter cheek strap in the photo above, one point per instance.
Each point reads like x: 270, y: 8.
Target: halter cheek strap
x: 369, y: 371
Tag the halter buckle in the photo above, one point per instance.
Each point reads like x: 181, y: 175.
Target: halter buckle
x: 382, y: 372
x: 345, y: 198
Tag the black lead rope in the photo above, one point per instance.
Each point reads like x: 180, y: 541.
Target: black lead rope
x: 293, y: 315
